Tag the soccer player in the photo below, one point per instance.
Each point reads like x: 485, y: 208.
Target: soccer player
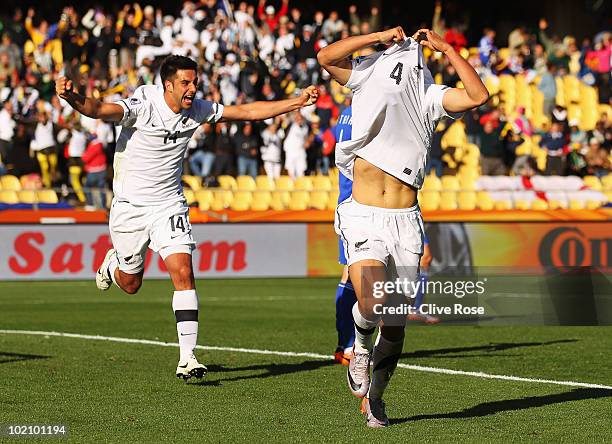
x: 149, y: 209
x: 345, y: 293
x: 396, y: 107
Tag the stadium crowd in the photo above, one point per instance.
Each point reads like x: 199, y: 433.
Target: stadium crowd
x: 261, y: 52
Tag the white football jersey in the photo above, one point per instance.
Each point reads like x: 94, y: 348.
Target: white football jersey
x: 396, y: 107
x: 152, y: 143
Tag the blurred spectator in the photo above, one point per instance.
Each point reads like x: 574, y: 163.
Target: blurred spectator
x: 598, y: 159
x: 314, y: 147
x: 548, y: 87
x: 364, y: 25
x: 332, y: 27
x: 295, y: 146
x: 7, y: 130
x: 486, y: 46
x: 224, y: 150
x: 272, y: 138
x: 247, y: 150
x: 94, y: 164
x: 436, y: 152
x: 492, y: 155
x: 268, y: 15
x: 326, y: 109
x: 202, y: 157
x: 44, y: 145
x: 522, y: 123
x: 555, y: 144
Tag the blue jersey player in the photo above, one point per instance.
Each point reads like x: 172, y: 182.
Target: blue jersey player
x: 345, y: 294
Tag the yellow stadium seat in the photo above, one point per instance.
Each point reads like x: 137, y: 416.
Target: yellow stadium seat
x: 521, y: 204
x: 332, y: 202
x: 264, y: 183
x: 593, y: 204
x: 27, y: 197
x: 261, y: 201
x: 448, y: 200
x: 466, y: 200
x: 193, y: 182
x: 322, y: 183
x: 189, y: 196
x: 539, y: 204
x: 9, y: 197
x: 609, y: 195
x: 575, y: 204
x: 484, y: 201
x: 503, y: 204
x: 450, y: 183
x: 47, y: 196
x: 432, y: 183
x: 430, y: 200
x: 205, y: 199
x: 318, y: 200
x: 556, y: 204
x: 467, y: 182
x: 284, y: 183
x: 10, y: 183
x: 280, y: 200
x: 299, y: 200
x: 222, y: 199
x: 245, y: 183
x: 606, y: 182
x: 227, y: 183
x: 242, y: 200
x: 592, y: 182
x: 304, y: 183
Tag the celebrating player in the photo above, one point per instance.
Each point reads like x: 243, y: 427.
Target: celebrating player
x: 396, y: 107
x: 149, y: 209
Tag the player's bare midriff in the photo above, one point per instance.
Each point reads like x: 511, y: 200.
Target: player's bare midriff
x: 372, y: 186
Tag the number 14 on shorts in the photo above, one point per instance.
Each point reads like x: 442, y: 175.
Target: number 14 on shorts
x: 180, y: 222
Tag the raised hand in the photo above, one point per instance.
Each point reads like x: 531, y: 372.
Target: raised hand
x: 310, y: 96
x: 432, y: 40
x: 393, y: 35
x: 63, y: 87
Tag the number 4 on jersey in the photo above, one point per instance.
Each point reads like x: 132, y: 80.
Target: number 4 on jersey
x: 396, y: 74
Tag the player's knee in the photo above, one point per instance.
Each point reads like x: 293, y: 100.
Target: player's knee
x: 131, y: 285
x: 183, y: 276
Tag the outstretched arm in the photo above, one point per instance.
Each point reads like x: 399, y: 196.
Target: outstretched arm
x: 87, y: 106
x: 264, y: 110
x: 457, y: 100
x: 334, y: 58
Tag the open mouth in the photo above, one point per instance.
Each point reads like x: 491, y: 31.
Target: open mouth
x: 188, y: 100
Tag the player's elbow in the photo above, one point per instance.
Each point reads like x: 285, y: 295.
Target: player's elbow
x: 323, y: 58
x: 482, y: 97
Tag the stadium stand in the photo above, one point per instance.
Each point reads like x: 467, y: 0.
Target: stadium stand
x: 533, y: 88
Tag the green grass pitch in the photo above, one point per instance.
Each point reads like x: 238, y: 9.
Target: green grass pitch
x: 125, y: 392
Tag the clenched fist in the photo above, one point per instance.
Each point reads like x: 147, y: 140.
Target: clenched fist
x: 393, y: 35
x: 309, y: 96
x: 431, y: 40
x: 63, y: 86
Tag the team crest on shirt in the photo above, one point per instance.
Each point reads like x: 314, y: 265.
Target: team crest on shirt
x: 134, y: 101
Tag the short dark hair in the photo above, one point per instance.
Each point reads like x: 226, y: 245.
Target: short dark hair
x: 172, y: 64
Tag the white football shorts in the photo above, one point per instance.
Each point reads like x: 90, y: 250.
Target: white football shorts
x: 163, y: 228
x: 391, y: 236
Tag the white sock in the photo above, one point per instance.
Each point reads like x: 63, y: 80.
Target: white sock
x: 112, y: 266
x: 384, y: 360
x: 185, y: 306
x: 364, y: 331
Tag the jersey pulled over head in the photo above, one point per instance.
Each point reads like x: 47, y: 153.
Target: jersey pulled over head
x: 179, y: 75
x: 396, y: 107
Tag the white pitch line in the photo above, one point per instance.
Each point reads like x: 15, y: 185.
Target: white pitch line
x: 255, y: 351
